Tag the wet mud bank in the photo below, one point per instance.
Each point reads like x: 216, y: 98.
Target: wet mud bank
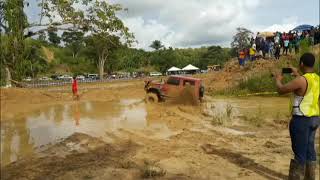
x: 114, y: 134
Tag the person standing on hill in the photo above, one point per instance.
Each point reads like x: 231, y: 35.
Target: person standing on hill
x: 277, y: 38
x: 271, y: 47
x: 285, y: 44
x: 290, y: 37
x: 258, y: 41
x: 241, y: 58
x: 297, y: 44
x: 283, y: 36
x: 305, y: 117
x: 277, y: 51
x: 265, y: 48
x: 247, y: 55
x: 252, y: 52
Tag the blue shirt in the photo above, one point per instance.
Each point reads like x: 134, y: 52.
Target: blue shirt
x: 286, y: 43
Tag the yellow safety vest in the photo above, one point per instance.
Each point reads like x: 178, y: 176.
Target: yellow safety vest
x: 252, y: 52
x: 308, y: 105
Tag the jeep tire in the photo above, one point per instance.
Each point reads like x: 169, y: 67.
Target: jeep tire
x: 152, y: 98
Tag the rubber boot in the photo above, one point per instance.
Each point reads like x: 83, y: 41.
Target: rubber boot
x: 296, y: 171
x: 310, y: 171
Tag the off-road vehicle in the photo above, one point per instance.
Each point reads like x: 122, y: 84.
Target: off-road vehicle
x: 175, y: 87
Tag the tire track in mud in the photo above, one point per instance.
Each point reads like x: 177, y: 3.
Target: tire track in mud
x: 243, y: 162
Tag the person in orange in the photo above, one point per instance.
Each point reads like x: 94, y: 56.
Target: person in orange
x: 241, y: 58
x: 75, y: 89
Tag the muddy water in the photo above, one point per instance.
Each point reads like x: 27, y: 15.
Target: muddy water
x: 23, y: 137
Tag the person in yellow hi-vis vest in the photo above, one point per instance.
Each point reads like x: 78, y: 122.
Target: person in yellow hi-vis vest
x: 305, y: 117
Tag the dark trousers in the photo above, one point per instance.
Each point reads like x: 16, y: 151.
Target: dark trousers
x: 302, y: 132
x: 241, y: 62
x: 285, y: 49
x: 277, y: 54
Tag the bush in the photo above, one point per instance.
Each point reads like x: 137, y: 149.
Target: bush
x: 263, y: 84
x: 254, y: 84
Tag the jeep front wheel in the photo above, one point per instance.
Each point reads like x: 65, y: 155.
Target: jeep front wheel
x: 152, y: 98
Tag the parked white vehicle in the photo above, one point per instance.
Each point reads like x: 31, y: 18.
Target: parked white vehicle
x: 45, y: 78
x: 93, y: 76
x: 28, y: 79
x: 65, y: 77
x: 80, y: 78
x: 155, y: 74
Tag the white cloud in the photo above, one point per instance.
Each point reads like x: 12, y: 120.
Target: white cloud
x: 280, y: 27
x: 146, y: 32
x: 286, y: 24
x: 181, y: 23
x: 193, y: 23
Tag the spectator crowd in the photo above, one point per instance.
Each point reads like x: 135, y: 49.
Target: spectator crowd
x: 273, y: 45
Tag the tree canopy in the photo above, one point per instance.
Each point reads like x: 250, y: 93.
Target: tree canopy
x: 93, y: 17
x: 241, y: 40
x: 73, y: 40
x: 99, y: 47
x: 156, y: 44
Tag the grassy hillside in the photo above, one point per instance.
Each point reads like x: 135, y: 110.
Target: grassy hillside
x: 254, y: 78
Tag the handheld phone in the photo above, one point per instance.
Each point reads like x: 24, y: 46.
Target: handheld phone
x: 286, y: 70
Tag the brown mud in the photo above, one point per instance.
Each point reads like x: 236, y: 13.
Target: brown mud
x: 111, y: 133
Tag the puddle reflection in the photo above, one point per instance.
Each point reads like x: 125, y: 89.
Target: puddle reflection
x: 21, y: 137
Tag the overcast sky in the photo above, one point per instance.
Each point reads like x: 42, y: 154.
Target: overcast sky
x: 194, y: 23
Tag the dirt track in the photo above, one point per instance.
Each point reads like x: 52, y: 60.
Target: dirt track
x: 196, y: 143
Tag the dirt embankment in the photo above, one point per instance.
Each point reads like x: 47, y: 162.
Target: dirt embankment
x: 231, y: 74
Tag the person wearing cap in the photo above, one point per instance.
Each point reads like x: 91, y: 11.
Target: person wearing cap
x: 305, y: 117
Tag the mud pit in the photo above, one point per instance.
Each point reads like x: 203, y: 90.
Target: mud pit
x: 55, y: 123
x: 113, y: 134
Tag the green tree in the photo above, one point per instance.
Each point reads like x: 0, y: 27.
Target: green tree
x: 129, y: 59
x: 53, y: 36
x: 157, y: 45
x: 98, y: 17
x: 12, y: 22
x: 241, y: 39
x: 99, y: 48
x: 164, y: 59
x: 214, y: 55
x: 34, y: 62
x: 74, y: 41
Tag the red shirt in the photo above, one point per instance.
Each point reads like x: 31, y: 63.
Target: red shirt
x: 74, y: 85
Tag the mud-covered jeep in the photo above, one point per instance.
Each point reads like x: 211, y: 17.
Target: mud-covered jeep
x: 175, y: 87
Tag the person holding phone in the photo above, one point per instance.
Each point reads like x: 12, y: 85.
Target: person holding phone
x: 305, y: 116
x: 277, y: 52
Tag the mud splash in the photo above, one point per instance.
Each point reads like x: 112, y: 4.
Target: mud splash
x: 27, y: 135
